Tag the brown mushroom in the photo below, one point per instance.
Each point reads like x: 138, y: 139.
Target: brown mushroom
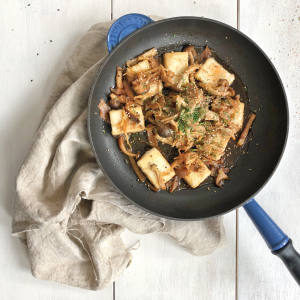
x: 104, y: 109
x: 245, y: 132
x: 164, y: 131
x: 119, y: 78
x: 174, y: 184
x: 114, y: 103
x: 191, y: 51
x: 123, y: 148
x: 206, y: 53
x: 131, y: 116
x: 136, y: 169
x: 221, y: 177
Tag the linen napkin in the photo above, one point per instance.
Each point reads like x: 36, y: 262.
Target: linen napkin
x: 65, y: 209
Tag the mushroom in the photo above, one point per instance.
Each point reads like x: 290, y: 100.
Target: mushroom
x: 114, y: 103
x: 174, y: 184
x: 245, y: 132
x: 182, y: 172
x: 166, y: 75
x: 206, y: 53
x: 165, y: 131
x: 192, y: 53
x: 131, y: 116
x: 221, y: 177
x: 119, y: 78
x: 104, y: 109
x: 128, y: 89
x: 123, y: 148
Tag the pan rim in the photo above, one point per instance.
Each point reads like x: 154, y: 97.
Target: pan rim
x: 236, y: 31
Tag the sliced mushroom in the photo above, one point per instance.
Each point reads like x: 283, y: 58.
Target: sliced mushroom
x: 245, y: 132
x: 221, y: 177
x: 166, y: 75
x: 159, y: 177
x: 131, y: 116
x: 174, y: 184
x: 191, y: 51
x: 128, y: 89
x: 119, y: 78
x: 123, y: 148
x: 104, y: 109
x: 206, y: 53
x: 182, y: 172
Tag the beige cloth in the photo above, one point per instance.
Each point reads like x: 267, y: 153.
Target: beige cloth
x: 66, y: 209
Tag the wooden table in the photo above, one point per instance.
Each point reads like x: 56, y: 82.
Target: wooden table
x: 37, y: 37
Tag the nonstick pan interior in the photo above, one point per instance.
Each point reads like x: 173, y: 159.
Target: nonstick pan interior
x: 267, y: 97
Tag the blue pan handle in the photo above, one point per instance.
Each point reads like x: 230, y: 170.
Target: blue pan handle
x: 278, y: 242
x: 125, y: 26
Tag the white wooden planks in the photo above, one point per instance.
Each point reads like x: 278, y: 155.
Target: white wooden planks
x: 162, y: 270
x: 28, y: 54
x: 224, y: 11
x: 274, y: 25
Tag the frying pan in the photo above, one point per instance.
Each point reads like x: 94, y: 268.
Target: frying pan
x: 252, y: 171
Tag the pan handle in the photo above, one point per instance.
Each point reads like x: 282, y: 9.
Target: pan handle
x: 278, y: 242
x: 124, y: 26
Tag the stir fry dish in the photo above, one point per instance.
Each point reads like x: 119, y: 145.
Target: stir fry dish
x: 181, y: 99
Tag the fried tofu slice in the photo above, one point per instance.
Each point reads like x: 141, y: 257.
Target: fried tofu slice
x: 238, y: 117
x: 211, y: 71
x: 142, y: 66
x: 155, y: 88
x: 215, y: 143
x: 118, y: 120
x: 211, y: 116
x: 177, y: 62
x: 154, y: 157
x: 195, y: 178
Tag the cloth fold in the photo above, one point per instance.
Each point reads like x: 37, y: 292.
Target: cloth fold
x: 66, y: 209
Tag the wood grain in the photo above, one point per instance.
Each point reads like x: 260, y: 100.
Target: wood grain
x: 163, y: 270
x: 29, y: 65
x: 274, y: 25
x: 224, y: 11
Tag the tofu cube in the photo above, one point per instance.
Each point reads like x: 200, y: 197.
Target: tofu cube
x: 177, y: 62
x: 155, y: 88
x: 211, y: 116
x: 142, y: 66
x: 154, y: 157
x: 238, y: 117
x: 216, y: 143
x: 212, y: 71
x: 117, y: 121
x: 195, y: 178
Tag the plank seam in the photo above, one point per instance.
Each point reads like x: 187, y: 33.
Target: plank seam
x: 114, y: 290
x: 112, y: 10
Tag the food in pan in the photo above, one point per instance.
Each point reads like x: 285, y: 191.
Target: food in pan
x: 181, y: 99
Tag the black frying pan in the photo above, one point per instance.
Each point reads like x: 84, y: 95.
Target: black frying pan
x: 252, y: 171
